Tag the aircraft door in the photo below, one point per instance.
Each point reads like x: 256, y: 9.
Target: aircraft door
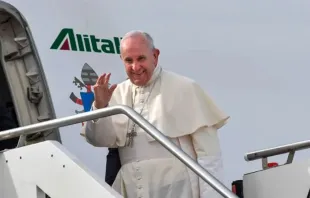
x: 25, y: 80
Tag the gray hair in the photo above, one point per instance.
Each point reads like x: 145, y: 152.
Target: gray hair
x: 134, y: 33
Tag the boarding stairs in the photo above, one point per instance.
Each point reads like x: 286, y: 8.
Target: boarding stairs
x: 288, y: 180
x: 48, y: 170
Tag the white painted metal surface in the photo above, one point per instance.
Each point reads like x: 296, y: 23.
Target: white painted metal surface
x: 287, y: 181
x: 28, y: 171
x: 261, y: 66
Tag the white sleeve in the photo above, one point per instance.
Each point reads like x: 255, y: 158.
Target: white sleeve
x: 100, y: 132
x: 207, y: 147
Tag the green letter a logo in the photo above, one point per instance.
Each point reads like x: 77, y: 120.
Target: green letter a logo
x: 65, y: 40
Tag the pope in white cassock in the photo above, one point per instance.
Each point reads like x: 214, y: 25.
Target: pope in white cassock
x: 177, y: 106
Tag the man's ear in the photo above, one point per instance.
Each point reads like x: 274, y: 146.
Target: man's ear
x: 156, y: 53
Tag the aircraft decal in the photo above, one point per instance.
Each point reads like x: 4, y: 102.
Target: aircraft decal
x: 89, y: 79
x: 68, y: 40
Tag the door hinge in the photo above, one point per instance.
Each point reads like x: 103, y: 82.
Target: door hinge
x: 34, y: 94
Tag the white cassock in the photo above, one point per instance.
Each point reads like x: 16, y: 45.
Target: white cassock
x: 181, y: 110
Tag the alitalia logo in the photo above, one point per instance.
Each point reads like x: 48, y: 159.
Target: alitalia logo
x: 68, y: 40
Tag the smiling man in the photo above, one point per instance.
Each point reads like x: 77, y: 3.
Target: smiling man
x: 175, y: 105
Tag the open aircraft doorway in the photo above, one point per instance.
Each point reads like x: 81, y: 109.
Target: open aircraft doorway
x: 24, y: 97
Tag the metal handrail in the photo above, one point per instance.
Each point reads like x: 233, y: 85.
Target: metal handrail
x: 264, y: 153
x: 138, y: 119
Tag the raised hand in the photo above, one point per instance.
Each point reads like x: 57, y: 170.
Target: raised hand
x: 102, y: 91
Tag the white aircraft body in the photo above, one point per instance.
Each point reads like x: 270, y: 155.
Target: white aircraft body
x: 252, y: 58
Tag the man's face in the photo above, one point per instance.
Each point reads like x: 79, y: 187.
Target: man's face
x: 139, y: 59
